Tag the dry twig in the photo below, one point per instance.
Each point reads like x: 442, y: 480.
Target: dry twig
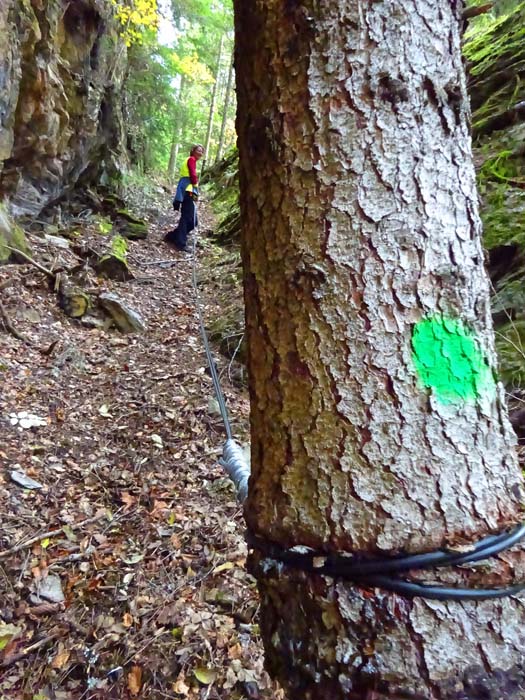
x: 50, y: 533
x: 30, y: 260
x: 33, y: 647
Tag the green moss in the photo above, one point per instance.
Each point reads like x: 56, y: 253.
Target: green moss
x: 119, y: 248
x: 130, y: 226
x: 114, y: 265
x: 125, y: 214
x: 11, y: 236
x: 135, y: 231
x: 104, y: 224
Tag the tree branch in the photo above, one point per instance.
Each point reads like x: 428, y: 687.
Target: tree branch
x: 29, y: 259
x: 470, y: 12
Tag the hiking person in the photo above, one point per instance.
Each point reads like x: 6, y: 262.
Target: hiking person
x: 184, y: 200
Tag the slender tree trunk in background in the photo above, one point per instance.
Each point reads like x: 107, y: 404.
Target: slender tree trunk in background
x: 177, y: 132
x: 174, y: 152
x: 220, y: 147
x: 377, y: 425
x: 212, y: 106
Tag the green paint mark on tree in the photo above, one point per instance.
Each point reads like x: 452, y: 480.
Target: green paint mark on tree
x: 448, y: 360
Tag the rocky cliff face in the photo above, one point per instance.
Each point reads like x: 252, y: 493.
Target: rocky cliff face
x: 61, y: 71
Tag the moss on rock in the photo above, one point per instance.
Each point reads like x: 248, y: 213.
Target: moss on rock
x: 114, y: 264
x: 11, y: 236
x: 130, y: 226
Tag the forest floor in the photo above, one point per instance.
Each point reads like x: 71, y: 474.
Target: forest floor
x: 122, y: 567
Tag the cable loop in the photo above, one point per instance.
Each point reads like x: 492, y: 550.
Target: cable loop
x: 375, y: 572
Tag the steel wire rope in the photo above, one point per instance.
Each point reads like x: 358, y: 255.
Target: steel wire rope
x: 204, y: 335
x: 375, y: 572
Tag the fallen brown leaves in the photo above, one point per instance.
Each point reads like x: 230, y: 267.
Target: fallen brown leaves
x: 123, y: 575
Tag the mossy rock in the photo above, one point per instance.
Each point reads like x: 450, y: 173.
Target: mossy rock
x: 130, y: 226
x: 135, y: 231
x: 11, y: 236
x: 113, y: 268
x: 114, y: 264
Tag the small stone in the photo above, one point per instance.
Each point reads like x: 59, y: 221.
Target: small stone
x: 23, y: 480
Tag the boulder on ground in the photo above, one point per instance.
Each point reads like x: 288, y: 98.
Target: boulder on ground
x: 114, y: 263
x: 126, y: 319
x: 73, y: 300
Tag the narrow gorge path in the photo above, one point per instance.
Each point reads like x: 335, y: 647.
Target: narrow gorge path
x: 122, y: 558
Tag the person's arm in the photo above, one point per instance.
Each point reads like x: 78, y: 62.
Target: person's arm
x: 192, y: 167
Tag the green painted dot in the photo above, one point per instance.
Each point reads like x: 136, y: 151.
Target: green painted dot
x: 448, y: 359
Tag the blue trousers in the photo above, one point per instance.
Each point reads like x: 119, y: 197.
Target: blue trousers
x: 187, y: 222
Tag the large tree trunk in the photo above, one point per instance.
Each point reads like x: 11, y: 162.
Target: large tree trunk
x: 377, y: 425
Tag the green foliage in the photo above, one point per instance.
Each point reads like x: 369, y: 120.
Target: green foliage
x: 510, y: 345
x: 168, y: 88
x: 136, y: 17
x: 119, y: 247
x: 495, y: 52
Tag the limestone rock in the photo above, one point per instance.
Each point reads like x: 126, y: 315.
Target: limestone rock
x: 62, y: 66
x: 57, y: 241
x: 126, y: 319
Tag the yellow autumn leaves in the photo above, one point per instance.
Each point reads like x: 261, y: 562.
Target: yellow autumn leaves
x: 135, y: 16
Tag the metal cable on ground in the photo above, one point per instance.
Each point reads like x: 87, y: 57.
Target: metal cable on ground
x: 233, y: 459
x: 209, y: 356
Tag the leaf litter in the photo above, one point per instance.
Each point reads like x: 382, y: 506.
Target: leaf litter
x: 121, y: 550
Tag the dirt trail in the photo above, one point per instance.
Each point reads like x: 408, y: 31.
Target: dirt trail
x: 156, y: 601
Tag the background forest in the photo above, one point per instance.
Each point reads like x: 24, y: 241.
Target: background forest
x: 180, y: 88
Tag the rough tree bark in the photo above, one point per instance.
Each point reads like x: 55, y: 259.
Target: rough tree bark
x: 377, y: 423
